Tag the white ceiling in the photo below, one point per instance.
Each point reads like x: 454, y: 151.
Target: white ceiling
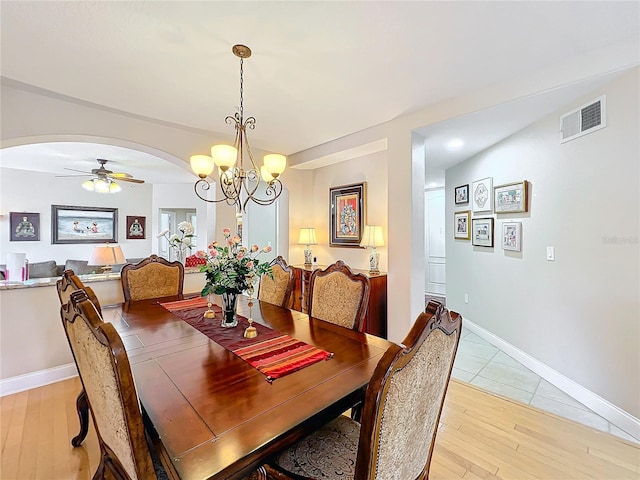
x: 319, y: 70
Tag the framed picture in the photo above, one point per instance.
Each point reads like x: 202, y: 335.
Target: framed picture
x: 511, y: 236
x: 461, y: 221
x: 24, y: 227
x: 481, y: 197
x: 136, y: 228
x: 482, y: 232
x: 462, y: 194
x: 511, y: 197
x: 70, y: 224
x: 346, y: 212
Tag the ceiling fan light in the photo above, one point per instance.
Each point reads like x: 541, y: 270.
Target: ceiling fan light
x: 114, y: 187
x: 202, y: 165
x: 224, y: 156
x: 102, y: 186
x: 88, y: 185
x: 275, y: 163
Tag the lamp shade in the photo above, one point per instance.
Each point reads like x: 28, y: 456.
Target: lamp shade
x: 107, y: 255
x: 275, y: 164
x: 224, y: 155
x: 372, y: 236
x: 202, y: 165
x: 307, y: 236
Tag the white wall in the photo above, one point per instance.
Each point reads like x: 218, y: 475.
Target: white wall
x: 23, y: 191
x: 579, y: 314
x: 314, y: 212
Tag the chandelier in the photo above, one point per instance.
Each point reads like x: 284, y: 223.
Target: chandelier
x: 239, y: 183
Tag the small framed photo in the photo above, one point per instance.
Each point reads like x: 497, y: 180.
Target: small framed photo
x: 461, y: 221
x: 482, y: 229
x: 512, y: 236
x: 136, y: 228
x: 511, y: 198
x: 462, y: 194
x: 481, y: 195
x: 24, y: 227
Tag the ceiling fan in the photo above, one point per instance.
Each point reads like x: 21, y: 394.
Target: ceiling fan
x: 104, y: 181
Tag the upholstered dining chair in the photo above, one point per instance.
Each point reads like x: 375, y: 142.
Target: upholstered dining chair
x: 277, y: 290
x: 339, y: 296
x: 401, y: 412
x: 151, y: 278
x: 106, y: 376
x: 66, y: 285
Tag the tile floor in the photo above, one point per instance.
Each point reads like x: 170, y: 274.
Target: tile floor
x: 483, y: 365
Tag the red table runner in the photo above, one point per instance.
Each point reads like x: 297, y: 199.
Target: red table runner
x: 272, y: 353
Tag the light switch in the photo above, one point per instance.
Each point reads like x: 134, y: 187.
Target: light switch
x: 551, y: 253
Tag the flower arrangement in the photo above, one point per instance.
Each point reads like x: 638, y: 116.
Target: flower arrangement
x: 180, y: 242
x: 231, y: 268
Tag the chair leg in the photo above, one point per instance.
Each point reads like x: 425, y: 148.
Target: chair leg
x: 82, y: 406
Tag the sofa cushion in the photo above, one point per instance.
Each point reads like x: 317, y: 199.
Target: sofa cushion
x: 80, y: 267
x: 43, y: 269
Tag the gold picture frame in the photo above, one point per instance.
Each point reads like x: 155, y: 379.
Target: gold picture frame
x: 462, y: 225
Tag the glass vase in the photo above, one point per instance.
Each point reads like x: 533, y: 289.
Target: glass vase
x: 229, y: 304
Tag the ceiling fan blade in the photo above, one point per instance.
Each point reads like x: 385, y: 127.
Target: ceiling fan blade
x: 132, y: 180
x: 81, y: 175
x: 119, y: 175
x: 81, y: 171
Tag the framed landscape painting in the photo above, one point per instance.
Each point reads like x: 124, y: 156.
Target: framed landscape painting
x: 71, y: 224
x: 346, y: 215
x: 24, y: 227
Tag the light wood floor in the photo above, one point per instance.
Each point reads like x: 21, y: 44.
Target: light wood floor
x: 482, y: 436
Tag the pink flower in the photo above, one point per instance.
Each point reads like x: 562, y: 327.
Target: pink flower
x: 230, y: 241
x: 267, y: 249
x: 236, y: 239
x: 200, y: 254
x: 255, y: 248
x: 213, y: 245
x: 226, y: 232
x: 240, y: 255
x: 249, y: 264
x: 213, y: 253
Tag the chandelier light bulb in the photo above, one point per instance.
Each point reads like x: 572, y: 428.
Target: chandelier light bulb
x: 114, y: 187
x: 275, y: 164
x: 202, y: 165
x: 224, y: 156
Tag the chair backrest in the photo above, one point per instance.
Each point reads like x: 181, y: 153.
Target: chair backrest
x: 339, y: 296
x: 405, y: 396
x: 69, y: 283
x: 277, y: 290
x: 151, y: 278
x: 107, y: 380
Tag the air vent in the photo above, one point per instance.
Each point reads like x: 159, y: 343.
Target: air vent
x: 586, y: 119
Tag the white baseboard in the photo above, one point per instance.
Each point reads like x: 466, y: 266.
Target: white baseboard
x: 599, y: 405
x: 40, y: 378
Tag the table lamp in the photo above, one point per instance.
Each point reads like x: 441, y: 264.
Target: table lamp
x: 307, y: 237
x: 372, y: 237
x: 107, y: 256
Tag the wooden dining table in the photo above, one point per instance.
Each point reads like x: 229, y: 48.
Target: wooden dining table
x: 216, y: 416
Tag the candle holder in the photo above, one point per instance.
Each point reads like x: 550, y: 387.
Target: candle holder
x: 250, y: 331
x: 209, y: 313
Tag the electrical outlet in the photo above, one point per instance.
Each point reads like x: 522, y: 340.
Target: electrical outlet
x: 466, y: 298
x: 551, y: 254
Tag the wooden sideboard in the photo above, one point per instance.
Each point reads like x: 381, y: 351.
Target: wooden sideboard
x: 375, y: 321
